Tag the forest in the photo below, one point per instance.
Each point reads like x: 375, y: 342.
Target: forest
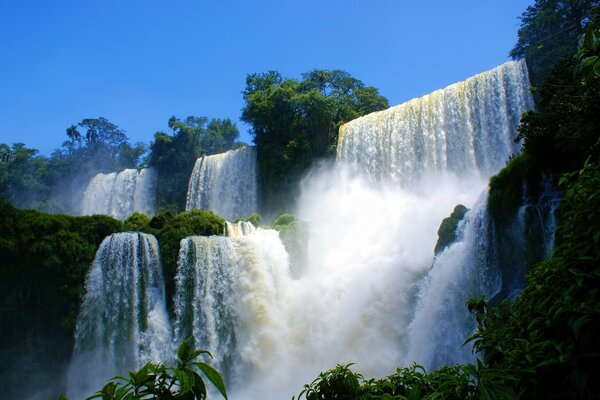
x: 541, y: 344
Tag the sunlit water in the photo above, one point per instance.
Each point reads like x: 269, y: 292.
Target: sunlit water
x: 371, y: 291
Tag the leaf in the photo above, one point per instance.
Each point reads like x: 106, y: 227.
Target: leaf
x: 597, y: 68
x: 213, y: 376
x: 199, y: 388
x: 183, y: 352
x: 184, y: 379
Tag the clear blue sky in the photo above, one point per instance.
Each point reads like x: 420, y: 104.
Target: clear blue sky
x: 138, y: 62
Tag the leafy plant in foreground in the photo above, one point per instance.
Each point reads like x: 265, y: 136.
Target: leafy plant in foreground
x: 157, y: 381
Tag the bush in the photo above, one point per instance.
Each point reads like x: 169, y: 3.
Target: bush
x: 137, y: 222
x: 156, y: 381
x: 447, y: 230
x: 174, y: 228
x: 43, y: 263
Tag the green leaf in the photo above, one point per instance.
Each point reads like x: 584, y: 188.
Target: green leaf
x: 184, y: 379
x: 213, y: 376
x: 597, y: 68
x: 199, y: 388
x: 183, y: 352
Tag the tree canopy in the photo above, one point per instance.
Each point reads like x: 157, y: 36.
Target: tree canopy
x: 296, y: 122
x: 550, y: 30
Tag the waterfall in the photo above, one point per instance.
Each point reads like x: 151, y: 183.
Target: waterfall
x: 120, y: 194
x: 466, y: 128
x: 224, y: 183
x: 123, y: 321
x: 371, y: 292
x: 228, y: 298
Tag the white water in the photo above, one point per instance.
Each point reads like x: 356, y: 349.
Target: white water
x: 229, y: 293
x: 120, y: 194
x: 123, y: 321
x: 466, y: 127
x: 368, y: 293
x: 224, y: 183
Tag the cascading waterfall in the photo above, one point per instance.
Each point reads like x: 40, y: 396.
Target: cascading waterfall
x: 228, y: 298
x: 371, y: 291
x: 123, y: 321
x: 372, y: 221
x: 224, y: 183
x: 465, y: 128
x: 120, y: 194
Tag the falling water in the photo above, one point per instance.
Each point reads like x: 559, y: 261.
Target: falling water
x: 228, y: 298
x: 371, y: 291
x: 224, y: 183
x: 123, y: 320
x: 465, y: 128
x: 120, y: 194
x: 372, y: 221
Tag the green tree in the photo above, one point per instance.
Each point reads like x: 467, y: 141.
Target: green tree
x: 550, y: 30
x: 23, y: 176
x: 295, y: 123
x: 220, y: 136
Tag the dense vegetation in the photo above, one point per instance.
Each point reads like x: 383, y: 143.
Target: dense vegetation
x: 96, y: 145
x: 296, y: 122
x: 44, y: 260
x: 550, y: 31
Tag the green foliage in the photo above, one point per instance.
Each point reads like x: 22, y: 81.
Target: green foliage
x: 457, y: 382
x: 254, y: 219
x: 548, y: 336
x: 43, y: 263
x: 550, y: 31
x: 137, y: 221
x: 23, y: 176
x: 174, y: 155
x: 157, y: 381
x: 589, y: 52
x: 447, y: 229
x: 338, y: 383
x: 296, y: 122
x: 507, y: 188
x: 171, y: 229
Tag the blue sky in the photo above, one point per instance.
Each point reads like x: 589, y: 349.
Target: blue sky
x: 138, y: 62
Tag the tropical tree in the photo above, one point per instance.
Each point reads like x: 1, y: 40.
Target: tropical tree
x: 550, y: 30
x: 296, y: 122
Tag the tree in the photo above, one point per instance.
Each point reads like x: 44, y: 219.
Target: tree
x: 23, y: 174
x: 550, y: 30
x: 220, y: 136
x: 295, y: 123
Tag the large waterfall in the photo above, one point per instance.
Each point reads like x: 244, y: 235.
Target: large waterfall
x: 465, y: 128
x: 224, y: 183
x: 120, y: 194
x: 371, y: 290
x: 123, y: 320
